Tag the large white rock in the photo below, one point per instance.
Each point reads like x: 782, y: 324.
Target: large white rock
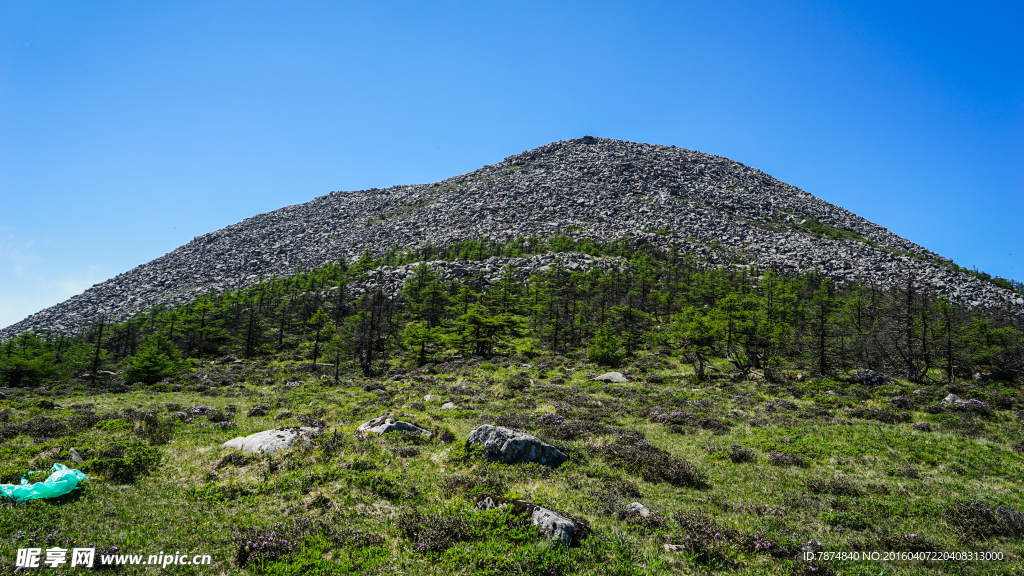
x: 385, y: 424
x: 611, y: 377
x: 270, y: 441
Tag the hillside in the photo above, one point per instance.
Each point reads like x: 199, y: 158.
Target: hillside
x: 601, y: 397
x: 719, y: 210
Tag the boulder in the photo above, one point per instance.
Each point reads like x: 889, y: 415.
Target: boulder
x: 385, y: 424
x: 611, y: 377
x: 870, y: 378
x: 448, y: 406
x: 952, y: 400
x: 636, y: 509
x: 553, y: 525
x: 511, y: 446
x: 270, y: 441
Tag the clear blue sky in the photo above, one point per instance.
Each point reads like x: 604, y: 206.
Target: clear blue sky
x: 127, y: 128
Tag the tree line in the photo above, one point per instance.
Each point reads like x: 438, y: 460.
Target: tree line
x: 755, y: 320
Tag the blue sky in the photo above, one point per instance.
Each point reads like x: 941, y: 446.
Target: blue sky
x: 128, y: 128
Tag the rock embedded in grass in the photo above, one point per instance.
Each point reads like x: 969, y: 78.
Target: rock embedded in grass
x: 385, y: 424
x: 636, y: 509
x: 270, y: 441
x: 448, y: 406
x: 511, y: 446
x: 870, y: 378
x: 551, y: 524
x: 611, y: 377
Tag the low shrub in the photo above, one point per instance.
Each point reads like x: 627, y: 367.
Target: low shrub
x: 739, y: 454
x: 979, y: 520
x: 124, y: 462
x: 839, y: 486
x: 264, y: 544
x: 435, y: 532
x: 777, y: 458
x: 638, y: 456
x: 44, y: 427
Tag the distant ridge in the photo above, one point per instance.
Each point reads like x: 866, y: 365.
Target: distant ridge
x: 715, y: 208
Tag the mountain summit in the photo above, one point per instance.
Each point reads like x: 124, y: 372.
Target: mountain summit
x: 722, y: 212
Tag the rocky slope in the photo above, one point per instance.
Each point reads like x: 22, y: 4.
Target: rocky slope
x: 718, y: 209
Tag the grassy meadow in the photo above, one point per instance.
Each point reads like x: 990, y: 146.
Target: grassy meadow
x: 740, y: 475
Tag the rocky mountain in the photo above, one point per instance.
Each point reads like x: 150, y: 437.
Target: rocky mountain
x: 721, y: 211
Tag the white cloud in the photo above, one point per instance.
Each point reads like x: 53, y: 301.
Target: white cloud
x: 27, y: 284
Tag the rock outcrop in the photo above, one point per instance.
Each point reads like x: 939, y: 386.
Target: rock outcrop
x: 270, y: 441
x: 512, y: 446
x: 385, y: 424
x: 553, y: 525
x: 719, y: 210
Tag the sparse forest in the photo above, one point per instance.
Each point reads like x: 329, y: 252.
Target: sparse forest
x: 660, y: 302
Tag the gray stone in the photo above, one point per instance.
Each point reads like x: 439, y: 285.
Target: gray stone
x: 511, y: 446
x: 551, y: 524
x: 674, y: 548
x: 270, y: 441
x: 870, y: 378
x: 951, y: 400
x: 75, y: 456
x: 611, y: 377
x: 448, y: 406
x: 636, y: 509
x: 385, y: 424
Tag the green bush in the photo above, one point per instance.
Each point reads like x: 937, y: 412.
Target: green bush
x: 124, y: 462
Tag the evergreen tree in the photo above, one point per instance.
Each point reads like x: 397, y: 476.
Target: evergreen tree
x: 157, y: 358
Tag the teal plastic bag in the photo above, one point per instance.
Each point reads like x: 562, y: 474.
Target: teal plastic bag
x: 61, y: 481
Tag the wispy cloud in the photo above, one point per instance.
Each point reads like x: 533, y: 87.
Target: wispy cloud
x: 27, y: 283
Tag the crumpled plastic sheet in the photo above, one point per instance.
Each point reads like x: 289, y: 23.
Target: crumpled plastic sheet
x: 62, y: 481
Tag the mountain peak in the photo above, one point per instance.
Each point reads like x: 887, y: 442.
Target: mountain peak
x: 721, y: 211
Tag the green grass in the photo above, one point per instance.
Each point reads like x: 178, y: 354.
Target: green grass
x: 346, y: 504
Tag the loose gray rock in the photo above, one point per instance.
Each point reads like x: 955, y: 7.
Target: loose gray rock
x: 674, y: 547
x: 870, y: 378
x: 636, y: 509
x: 270, y: 441
x: 385, y: 424
x: 511, y: 446
x: 952, y: 400
x: 553, y: 525
x: 448, y: 406
x: 75, y: 456
x: 611, y: 377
